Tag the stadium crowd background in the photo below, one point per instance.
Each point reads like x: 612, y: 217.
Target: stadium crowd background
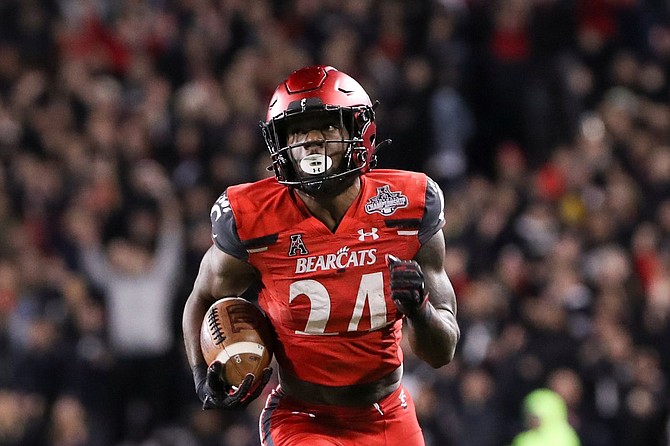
x: 546, y: 122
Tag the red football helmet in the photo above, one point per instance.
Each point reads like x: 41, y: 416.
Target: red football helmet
x: 321, y: 92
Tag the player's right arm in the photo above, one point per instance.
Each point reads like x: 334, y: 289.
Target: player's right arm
x: 220, y: 275
x: 223, y: 272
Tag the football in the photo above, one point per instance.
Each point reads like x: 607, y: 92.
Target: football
x: 237, y: 334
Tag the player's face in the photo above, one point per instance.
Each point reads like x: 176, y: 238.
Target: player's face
x: 318, y: 143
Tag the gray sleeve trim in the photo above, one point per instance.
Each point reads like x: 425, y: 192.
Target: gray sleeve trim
x: 224, y: 230
x: 433, y: 216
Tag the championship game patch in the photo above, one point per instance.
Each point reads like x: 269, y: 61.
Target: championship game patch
x: 386, y: 202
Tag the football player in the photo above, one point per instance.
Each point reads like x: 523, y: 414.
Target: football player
x: 343, y: 255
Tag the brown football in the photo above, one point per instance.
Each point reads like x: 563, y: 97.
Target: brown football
x: 236, y: 333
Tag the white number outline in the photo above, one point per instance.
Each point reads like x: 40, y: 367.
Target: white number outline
x: 370, y: 290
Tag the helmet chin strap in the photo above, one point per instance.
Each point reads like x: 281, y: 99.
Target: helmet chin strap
x: 330, y: 187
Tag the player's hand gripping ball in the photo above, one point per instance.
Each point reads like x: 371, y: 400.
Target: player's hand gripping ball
x: 236, y: 342
x: 407, y: 285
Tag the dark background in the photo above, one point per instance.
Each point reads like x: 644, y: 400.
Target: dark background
x: 545, y: 121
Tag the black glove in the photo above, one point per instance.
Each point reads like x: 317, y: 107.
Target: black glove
x: 407, y: 285
x: 216, y: 394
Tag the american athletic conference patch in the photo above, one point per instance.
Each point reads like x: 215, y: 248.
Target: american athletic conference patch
x: 386, y: 202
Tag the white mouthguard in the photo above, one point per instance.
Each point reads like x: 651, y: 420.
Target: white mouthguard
x: 315, y: 164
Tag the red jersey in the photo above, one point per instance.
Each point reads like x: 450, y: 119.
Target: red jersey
x: 327, y: 292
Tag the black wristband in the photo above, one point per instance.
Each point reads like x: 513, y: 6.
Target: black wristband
x: 199, y: 376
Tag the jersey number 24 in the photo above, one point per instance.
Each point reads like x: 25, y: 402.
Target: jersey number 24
x: 370, y: 290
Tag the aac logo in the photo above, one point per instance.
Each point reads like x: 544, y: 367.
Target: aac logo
x: 362, y: 234
x: 297, y: 246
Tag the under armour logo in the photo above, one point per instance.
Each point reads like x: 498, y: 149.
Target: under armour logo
x: 362, y: 234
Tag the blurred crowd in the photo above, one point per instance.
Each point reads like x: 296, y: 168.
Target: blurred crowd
x: 545, y: 121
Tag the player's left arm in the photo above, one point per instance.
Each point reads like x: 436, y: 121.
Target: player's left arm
x: 433, y: 329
